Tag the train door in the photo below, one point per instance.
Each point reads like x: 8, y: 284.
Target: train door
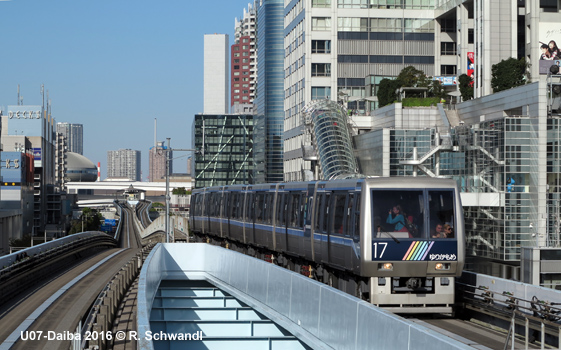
x: 339, y: 247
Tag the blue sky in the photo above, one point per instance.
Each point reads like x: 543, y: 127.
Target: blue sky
x: 113, y: 66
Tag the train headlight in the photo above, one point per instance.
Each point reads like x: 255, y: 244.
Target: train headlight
x: 385, y: 267
x: 442, y: 266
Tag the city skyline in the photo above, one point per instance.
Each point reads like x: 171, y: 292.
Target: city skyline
x: 105, y: 65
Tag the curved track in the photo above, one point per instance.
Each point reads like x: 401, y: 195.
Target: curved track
x: 64, y: 313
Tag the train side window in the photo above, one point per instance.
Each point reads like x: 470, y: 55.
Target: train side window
x: 281, y: 209
x: 250, y: 207
x: 294, y: 211
x: 259, y: 207
x: 356, y: 218
x: 208, y: 204
x: 268, y: 208
x: 226, y: 208
x: 233, y: 207
x: 326, y: 205
x: 338, y: 216
x: 317, y: 205
x: 349, y: 215
x: 304, y: 210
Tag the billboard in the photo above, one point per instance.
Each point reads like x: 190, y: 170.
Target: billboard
x: 447, y: 81
x: 549, y: 53
x: 470, y: 64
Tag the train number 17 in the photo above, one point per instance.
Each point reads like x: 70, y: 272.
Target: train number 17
x: 382, y: 250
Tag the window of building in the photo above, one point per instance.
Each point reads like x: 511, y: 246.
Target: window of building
x: 236, y: 61
x: 236, y: 73
x: 321, y: 69
x: 352, y: 24
x: 245, y: 67
x: 448, y: 25
x: 321, y: 23
x: 447, y: 48
x: 321, y: 46
x: 321, y: 3
x: 447, y: 69
x: 236, y: 67
x: 319, y: 92
x: 470, y: 36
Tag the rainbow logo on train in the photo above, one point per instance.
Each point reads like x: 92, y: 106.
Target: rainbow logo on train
x: 418, y: 251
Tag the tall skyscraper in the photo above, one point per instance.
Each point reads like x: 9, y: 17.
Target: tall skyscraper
x: 216, y: 73
x: 74, y: 134
x: 157, y: 164
x: 124, y: 163
x: 244, y: 57
x: 269, y: 100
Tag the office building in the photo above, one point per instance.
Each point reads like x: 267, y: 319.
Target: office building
x: 244, y: 60
x: 216, y: 73
x: 31, y: 129
x: 124, y: 163
x: 350, y: 46
x: 225, y: 145
x: 269, y: 99
x: 74, y: 135
x: 157, y: 159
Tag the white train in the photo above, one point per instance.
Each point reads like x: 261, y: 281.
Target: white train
x: 378, y: 239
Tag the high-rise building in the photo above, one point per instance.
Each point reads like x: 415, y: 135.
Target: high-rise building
x: 32, y: 129
x: 343, y: 48
x: 124, y: 163
x: 243, y: 58
x: 157, y: 158
x: 269, y: 99
x: 74, y: 134
x: 216, y: 68
x: 225, y: 144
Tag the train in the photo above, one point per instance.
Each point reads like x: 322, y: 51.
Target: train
x: 379, y: 239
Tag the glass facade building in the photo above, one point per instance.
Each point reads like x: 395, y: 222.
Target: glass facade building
x: 269, y: 101
x: 494, y: 161
x: 225, y: 149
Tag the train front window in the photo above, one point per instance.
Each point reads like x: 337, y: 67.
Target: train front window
x: 398, y: 214
x: 441, y: 207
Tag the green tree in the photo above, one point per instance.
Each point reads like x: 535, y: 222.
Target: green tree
x: 508, y: 73
x: 466, y: 87
x: 408, y: 77
x: 412, y: 77
x: 386, y: 92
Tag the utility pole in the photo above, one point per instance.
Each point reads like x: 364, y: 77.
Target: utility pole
x: 170, y: 236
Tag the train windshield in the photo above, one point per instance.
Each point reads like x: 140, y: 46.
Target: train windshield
x: 416, y: 214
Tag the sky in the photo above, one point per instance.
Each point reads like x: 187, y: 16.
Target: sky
x: 113, y: 66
